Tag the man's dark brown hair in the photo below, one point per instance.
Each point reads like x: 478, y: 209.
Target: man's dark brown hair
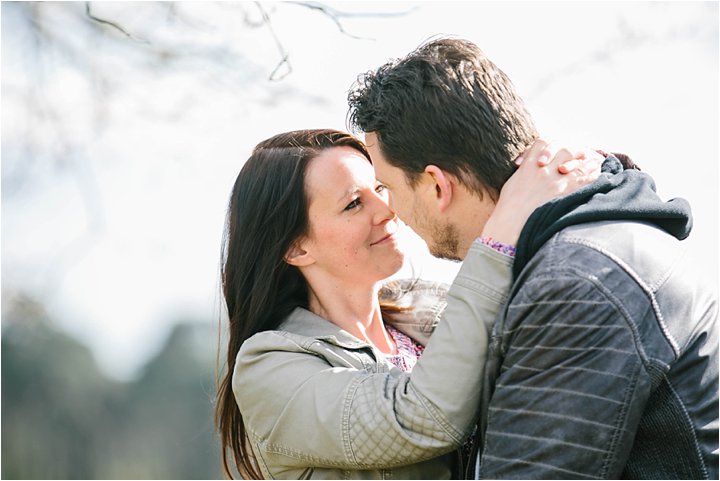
x: 448, y: 105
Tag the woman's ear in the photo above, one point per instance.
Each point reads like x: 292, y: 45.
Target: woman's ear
x: 443, y: 186
x: 297, y: 256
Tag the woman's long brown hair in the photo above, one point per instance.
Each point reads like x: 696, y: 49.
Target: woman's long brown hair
x: 268, y: 211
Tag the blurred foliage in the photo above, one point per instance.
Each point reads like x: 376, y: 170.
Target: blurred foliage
x: 63, y: 419
x: 73, y: 74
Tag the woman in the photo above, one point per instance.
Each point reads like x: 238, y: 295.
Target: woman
x: 320, y: 380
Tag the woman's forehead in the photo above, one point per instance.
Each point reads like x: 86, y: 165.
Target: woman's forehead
x: 336, y: 171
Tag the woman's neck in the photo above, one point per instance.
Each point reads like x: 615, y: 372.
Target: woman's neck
x: 355, y: 309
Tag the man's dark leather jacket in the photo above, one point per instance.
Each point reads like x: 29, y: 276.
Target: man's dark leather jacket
x: 604, y: 363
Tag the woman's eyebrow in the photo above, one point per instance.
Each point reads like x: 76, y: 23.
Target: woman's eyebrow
x: 350, y: 192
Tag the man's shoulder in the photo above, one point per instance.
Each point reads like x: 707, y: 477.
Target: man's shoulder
x: 615, y: 236
x: 640, y: 249
x: 623, y: 259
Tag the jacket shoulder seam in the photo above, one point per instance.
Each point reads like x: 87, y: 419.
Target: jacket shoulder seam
x: 639, y: 281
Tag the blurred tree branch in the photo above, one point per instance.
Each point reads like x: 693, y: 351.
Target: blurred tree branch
x: 285, y: 57
x: 111, y: 24
x: 627, y: 39
x: 335, y: 15
x: 94, y: 52
x: 74, y: 59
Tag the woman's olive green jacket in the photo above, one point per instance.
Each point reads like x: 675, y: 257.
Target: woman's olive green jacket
x: 319, y: 403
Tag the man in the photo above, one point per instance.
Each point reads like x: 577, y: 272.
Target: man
x: 603, y: 363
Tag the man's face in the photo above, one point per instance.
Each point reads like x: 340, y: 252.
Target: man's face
x: 414, y: 205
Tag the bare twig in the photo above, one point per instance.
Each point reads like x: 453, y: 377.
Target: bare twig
x: 285, y: 56
x: 328, y: 11
x: 332, y: 14
x: 339, y: 13
x: 114, y: 25
x: 335, y: 15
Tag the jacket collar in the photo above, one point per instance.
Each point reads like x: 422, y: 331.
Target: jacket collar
x: 305, y: 323
x: 616, y: 195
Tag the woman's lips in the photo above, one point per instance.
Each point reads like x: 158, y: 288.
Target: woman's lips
x: 388, y: 237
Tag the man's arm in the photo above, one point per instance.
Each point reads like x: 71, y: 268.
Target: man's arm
x: 571, y: 386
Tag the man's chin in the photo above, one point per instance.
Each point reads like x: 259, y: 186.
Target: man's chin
x: 445, y: 244
x: 445, y: 254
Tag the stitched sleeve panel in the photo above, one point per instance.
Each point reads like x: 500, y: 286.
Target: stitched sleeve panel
x: 570, y: 387
x: 314, y: 414
x: 390, y: 423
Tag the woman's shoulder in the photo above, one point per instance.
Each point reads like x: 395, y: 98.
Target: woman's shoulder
x: 274, y: 359
x: 259, y: 357
x: 268, y: 341
x: 301, y: 332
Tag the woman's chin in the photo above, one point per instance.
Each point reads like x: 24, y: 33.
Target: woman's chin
x: 395, y: 265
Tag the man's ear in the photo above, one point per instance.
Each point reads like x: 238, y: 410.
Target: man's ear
x: 443, y: 186
x: 297, y: 256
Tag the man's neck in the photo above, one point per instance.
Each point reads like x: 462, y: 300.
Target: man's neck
x: 469, y: 216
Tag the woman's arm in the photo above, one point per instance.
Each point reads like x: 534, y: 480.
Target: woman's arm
x: 303, y: 412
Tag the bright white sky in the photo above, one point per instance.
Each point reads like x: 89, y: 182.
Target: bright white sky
x: 639, y: 78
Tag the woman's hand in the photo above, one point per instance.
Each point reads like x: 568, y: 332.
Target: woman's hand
x: 544, y: 172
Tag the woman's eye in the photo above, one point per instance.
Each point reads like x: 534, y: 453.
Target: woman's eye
x: 380, y: 188
x: 353, y: 204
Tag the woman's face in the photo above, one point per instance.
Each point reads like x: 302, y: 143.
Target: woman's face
x: 352, y: 229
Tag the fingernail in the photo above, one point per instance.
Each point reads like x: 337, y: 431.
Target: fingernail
x: 519, y: 160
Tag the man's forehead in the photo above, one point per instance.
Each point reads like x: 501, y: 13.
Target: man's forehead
x: 371, y: 143
x: 385, y: 172
x: 373, y: 146
x: 370, y: 137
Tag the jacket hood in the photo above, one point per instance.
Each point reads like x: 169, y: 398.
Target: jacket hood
x: 617, y: 194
